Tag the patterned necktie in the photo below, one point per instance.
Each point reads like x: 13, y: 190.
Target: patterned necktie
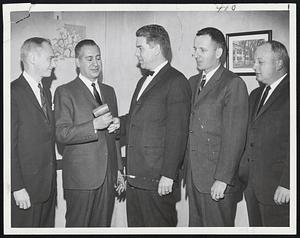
x: 96, y: 94
x: 202, y: 82
x: 43, y: 100
x: 262, y: 100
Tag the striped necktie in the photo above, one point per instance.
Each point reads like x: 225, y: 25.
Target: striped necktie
x: 96, y: 94
x: 43, y: 100
x: 202, y: 82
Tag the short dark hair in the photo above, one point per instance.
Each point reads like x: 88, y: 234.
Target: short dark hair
x: 217, y: 36
x: 158, y: 35
x: 86, y: 42
x: 280, y: 52
x: 30, y: 44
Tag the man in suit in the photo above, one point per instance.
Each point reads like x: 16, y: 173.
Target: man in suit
x: 33, y: 171
x: 218, y: 126
x: 90, y: 155
x: 156, y: 128
x: 265, y: 166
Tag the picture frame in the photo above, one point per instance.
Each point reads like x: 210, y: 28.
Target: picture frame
x: 241, y: 47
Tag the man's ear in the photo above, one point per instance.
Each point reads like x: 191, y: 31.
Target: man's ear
x: 31, y: 58
x: 77, y: 62
x: 279, y: 64
x: 157, y: 49
x: 219, y: 52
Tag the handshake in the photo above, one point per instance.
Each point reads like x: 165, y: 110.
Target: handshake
x: 103, y: 119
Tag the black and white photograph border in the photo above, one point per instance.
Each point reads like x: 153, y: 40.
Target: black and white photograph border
x: 98, y: 22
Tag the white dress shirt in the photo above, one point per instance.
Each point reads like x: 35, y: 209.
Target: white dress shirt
x: 34, y: 86
x: 150, y: 77
x: 88, y: 83
x: 272, y: 87
x: 209, y: 74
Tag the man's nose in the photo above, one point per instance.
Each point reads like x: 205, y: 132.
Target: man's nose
x: 95, y: 62
x: 54, y: 63
x: 195, y: 54
x: 254, y: 66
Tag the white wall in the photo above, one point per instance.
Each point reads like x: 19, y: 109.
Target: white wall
x: 115, y: 34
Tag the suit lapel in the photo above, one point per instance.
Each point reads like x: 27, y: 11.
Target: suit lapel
x: 86, y: 92
x: 156, y: 79
x: 194, y: 82
x: 136, y: 104
x: 254, y: 107
x: 31, y: 94
x: 209, y: 86
x: 276, y: 93
x: 106, y: 96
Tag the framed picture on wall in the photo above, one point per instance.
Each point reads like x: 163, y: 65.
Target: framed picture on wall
x: 241, y: 47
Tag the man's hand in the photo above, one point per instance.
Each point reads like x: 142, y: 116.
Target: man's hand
x: 121, y: 184
x: 115, y: 125
x: 22, y: 199
x: 217, y: 190
x: 282, y: 195
x: 103, y: 121
x: 165, y: 186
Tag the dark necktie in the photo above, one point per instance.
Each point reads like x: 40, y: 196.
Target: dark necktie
x: 202, y: 82
x: 96, y: 94
x: 262, y: 100
x: 43, y: 100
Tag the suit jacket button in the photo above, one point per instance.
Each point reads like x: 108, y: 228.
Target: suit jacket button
x: 251, y: 144
x: 191, y: 131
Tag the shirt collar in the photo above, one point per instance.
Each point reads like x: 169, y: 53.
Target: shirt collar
x: 275, y: 84
x: 158, y: 68
x: 88, y: 82
x: 33, y: 83
x: 210, y: 73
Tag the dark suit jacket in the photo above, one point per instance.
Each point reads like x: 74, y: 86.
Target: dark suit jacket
x: 266, y: 160
x: 86, y: 153
x: 157, y: 128
x: 218, y: 126
x: 32, y: 142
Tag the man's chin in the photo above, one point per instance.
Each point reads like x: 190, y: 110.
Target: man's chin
x: 200, y: 68
x: 95, y: 75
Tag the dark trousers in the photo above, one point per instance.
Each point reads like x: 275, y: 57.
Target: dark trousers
x: 206, y: 212
x: 264, y: 214
x: 90, y: 208
x: 38, y: 215
x: 145, y: 208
